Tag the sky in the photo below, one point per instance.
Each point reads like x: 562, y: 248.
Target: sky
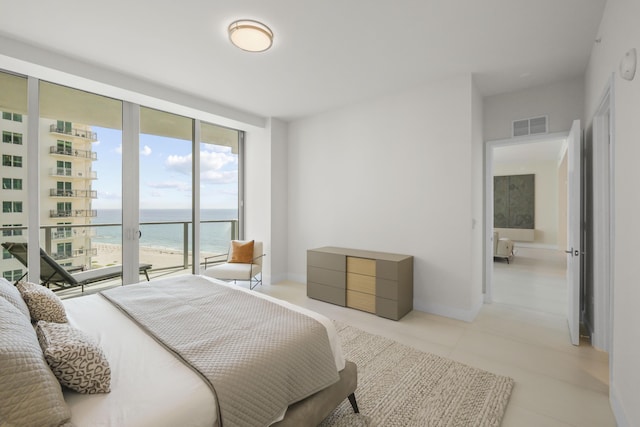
x: 165, y: 173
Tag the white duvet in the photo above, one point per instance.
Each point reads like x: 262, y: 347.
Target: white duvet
x: 149, y: 386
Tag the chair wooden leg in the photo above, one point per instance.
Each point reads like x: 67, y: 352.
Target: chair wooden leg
x: 354, y: 404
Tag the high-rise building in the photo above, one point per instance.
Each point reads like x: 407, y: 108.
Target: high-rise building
x: 66, y: 193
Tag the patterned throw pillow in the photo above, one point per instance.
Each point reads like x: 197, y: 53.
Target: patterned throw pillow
x: 74, y: 358
x: 42, y: 302
x: 12, y: 294
x: 241, y: 252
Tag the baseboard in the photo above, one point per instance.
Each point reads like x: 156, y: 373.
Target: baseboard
x: 617, y: 408
x: 454, y: 313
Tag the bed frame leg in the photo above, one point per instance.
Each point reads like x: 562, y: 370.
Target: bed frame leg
x: 354, y: 404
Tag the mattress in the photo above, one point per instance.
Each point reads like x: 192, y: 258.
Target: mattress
x: 149, y: 386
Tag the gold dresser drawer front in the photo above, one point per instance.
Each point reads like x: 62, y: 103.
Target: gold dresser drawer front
x: 360, y: 301
x: 360, y: 283
x: 361, y: 266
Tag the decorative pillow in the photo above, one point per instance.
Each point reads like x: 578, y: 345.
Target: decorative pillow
x: 12, y: 294
x: 241, y: 252
x: 30, y: 395
x: 75, y: 359
x: 42, y: 302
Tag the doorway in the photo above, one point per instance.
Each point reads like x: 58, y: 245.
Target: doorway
x: 534, y: 277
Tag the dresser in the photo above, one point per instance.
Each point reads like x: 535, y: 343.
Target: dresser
x: 375, y: 282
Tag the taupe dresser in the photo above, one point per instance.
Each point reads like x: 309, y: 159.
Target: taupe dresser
x: 376, y: 282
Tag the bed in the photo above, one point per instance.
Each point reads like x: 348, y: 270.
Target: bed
x: 152, y: 386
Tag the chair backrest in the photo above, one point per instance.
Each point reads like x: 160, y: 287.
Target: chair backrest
x: 50, y: 270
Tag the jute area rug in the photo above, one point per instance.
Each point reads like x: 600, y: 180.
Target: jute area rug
x: 401, y: 386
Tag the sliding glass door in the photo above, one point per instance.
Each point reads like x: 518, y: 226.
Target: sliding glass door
x: 219, y: 186
x: 80, y: 178
x: 165, y: 150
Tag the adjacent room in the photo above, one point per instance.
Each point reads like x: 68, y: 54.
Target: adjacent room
x: 286, y: 214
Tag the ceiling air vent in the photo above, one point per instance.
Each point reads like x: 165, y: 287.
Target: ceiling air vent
x: 532, y: 126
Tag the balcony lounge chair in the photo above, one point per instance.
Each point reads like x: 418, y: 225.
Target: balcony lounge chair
x: 226, y: 267
x: 52, y: 273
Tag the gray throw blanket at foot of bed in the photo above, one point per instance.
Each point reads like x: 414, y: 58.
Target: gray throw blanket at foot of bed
x: 257, y: 356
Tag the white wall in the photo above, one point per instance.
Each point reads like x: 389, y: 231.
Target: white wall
x: 619, y: 31
x: 546, y: 196
x: 563, y: 102
x: 391, y: 175
x: 478, y: 264
x: 277, y: 257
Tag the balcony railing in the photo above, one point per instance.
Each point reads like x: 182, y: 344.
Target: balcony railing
x: 72, y: 173
x: 85, y: 194
x: 85, y: 252
x: 83, y: 154
x: 81, y: 133
x: 178, y: 256
x: 53, y: 213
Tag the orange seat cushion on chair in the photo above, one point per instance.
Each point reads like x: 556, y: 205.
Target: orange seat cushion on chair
x: 241, y: 252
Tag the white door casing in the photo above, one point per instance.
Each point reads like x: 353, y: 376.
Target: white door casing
x: 573, y: 230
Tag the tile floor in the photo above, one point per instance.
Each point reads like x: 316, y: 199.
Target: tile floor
x: 523, y: 334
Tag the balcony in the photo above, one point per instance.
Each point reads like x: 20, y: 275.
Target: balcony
x: 85, y: 194
x: 82, y: 154
x: 84, y: 252
x: 72, y: 173
x: 80, y: 133
x: 68, y: 233
x: 84, y: 213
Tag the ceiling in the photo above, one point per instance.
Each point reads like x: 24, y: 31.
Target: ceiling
x: 326, y: 54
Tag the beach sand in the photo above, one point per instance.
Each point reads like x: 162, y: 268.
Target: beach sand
x: 111, y: 254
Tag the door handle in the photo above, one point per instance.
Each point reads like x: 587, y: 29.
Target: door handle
x: 573, y: 252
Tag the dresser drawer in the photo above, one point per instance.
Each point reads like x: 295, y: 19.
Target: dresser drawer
x: 327, y: 277
x: 326, y: 260
x: 387, y: 288
x: 360, y: 283
x: 326, y: 293
x: 361, y: 266
x: 360, y: 301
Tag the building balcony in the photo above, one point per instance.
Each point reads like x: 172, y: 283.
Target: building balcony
x: 85, y: 213
x: 82, y: 154
x: 84, y: 252
x: 84, y: 194
x: 68, y: 233
x: 72, y: 173
x: 79, y: 133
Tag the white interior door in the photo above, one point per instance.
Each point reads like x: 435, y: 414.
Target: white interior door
x: 573, y: 231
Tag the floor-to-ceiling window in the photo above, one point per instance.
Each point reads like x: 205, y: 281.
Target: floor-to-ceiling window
x: 78, y: 151
x: 80, y: 177
x: 165, y: 188
x: 13, y: 193
x: 219, y: 187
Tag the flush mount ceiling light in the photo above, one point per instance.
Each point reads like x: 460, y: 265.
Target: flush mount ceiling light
x: 249, y: 35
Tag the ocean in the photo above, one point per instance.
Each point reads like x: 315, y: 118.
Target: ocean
x: 214, y: 237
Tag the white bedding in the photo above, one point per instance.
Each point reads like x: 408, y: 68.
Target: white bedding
x: 149, y: 386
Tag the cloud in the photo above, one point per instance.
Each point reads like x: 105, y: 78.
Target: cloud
x: 211, y: 163
x: 219, y: 177
x: 171, y: 185
x: 109, y: 195
x: 145, y: 151
x: 119, y: 149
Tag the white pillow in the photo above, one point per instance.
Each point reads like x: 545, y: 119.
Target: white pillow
x: 30, y: 395
x: 12, y: 294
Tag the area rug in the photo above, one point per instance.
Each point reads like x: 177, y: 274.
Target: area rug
x: 401, y: 386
